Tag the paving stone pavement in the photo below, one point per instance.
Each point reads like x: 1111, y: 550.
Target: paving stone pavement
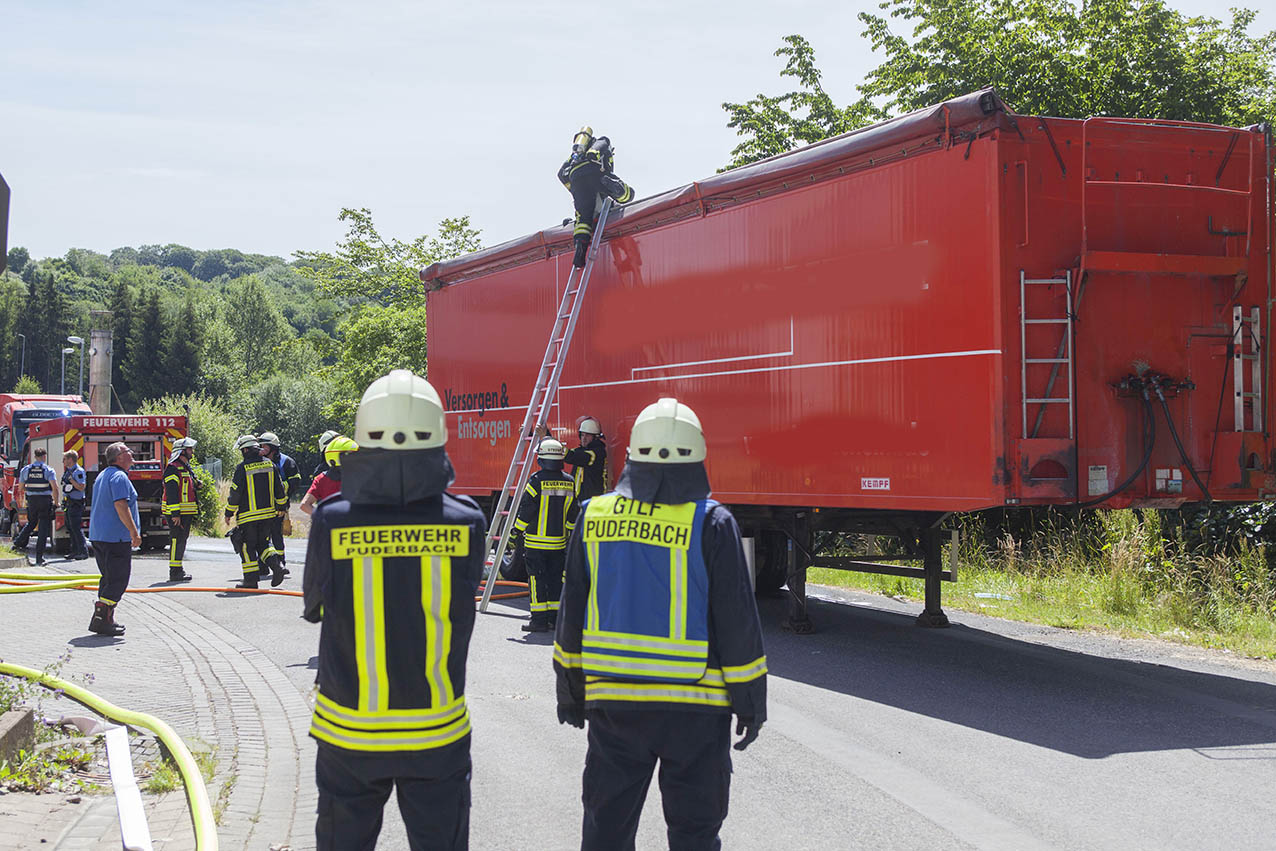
x: 217, y: 690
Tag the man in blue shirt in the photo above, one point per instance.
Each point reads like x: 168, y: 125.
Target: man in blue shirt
x: 114, y: 530
x: 73, y: 487
x: 38, y: 480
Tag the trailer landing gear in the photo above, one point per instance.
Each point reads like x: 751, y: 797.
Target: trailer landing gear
x: 933, y: 564
x: 797, y: 621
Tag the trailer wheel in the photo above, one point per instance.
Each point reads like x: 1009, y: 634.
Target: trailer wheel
x: 771, y: 557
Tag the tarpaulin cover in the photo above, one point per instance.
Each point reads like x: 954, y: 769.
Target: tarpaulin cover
x: 959, y: 112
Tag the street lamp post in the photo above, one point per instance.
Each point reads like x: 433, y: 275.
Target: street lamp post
x: 66, y: 351
x: 79, y: 341
x: 22, y: 370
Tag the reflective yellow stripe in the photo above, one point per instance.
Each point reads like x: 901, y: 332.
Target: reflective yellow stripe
x: 677, y: 594
x: 591, y: 610
x: 567, y: 660
x: 389, y: 740
x: 520, y: 525
x: 531, y: 490
x: 635, y: 667
x: 745, y: 673
x: 536, y: 604
x: 544, y: 542
x: 658, y: 644
x: 395, y: 718
x: 436, y: 601
x: 705, y: 692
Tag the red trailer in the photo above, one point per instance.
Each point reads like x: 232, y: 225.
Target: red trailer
x: 958, y: 309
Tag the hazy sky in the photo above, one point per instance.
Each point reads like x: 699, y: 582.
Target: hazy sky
x: 250, y: 125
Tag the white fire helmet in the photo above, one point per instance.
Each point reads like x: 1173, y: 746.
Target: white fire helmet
x: 326, y: 438
x: 179, y: 445
x: 400, y: 411
x: 551, y: 450
x: 589, y: 425
x: 247, y: 441
x: 667, y: 432
x: 268, y: 438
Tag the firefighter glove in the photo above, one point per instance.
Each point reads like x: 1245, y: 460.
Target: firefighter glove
x: 574, y: 714
x: 746, y: 726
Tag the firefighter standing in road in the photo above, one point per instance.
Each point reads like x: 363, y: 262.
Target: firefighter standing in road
x: 658, y: 641
x: 392, y: 567
x: 256, y: 499
x: 292, y: 481
x: 588, y: 176
x: 546, y: 516
x: 181, y: 504
x: 324, y: 439
x: 589, y: 460
x: 38, y: 485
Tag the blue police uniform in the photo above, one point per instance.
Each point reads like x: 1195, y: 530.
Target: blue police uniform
x: 658, y: 643
x: 38, y: 480
x: 392, y: 568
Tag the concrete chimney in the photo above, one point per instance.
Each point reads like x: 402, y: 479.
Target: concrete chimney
x: 100, y: 358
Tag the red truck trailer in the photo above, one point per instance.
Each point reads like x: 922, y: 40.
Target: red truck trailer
x: 18, y: 412
x: 151, y: 439
x: 958, y: 309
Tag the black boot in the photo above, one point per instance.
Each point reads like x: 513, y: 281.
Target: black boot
x: 582, y: 249
x: 277, y: 574
x: 103, y: 622
x: 176, y: 574
x: 250, y: 580
x: 535, y: 626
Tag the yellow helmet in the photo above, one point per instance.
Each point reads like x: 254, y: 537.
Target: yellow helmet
x: 667, y: 432
x: 337, y: 447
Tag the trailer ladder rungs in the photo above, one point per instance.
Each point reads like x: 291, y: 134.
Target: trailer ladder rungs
x: 1247, y: 329
x: 1063, y: 355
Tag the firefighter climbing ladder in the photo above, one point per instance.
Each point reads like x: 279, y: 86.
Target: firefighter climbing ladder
x: 1062, y: 356
x: 547, y: 378
x: 1245, y: 328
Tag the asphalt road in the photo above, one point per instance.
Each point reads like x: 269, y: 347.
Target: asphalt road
x: 990, y: 734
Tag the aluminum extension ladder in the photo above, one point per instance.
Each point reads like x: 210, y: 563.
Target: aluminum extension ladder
x: 1247, y: 328
x: 1063, y: 355
x: 547, y: 377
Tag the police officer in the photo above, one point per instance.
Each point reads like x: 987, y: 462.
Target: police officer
x: 181, y: 504
x: 256, y: 499
x: 589, y: 459
x: 38, y: 481
x: 74, y: 483
x: 292, y: 481
x: 392, y: 567
x: 658, y: 640
x: 588, y: 176
x: 546, y: 516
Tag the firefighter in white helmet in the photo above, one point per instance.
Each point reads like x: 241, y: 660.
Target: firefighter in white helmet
x: 589, y: 459
x: 256, y: 499
x: 392, y: 567
x: 180, y: 505
x: 658, y: 640
x: 546, y: 516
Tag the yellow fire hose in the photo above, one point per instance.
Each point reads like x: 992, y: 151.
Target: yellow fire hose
x: 196, y: 793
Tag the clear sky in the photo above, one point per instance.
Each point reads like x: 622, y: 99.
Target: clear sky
x: 250, y: 125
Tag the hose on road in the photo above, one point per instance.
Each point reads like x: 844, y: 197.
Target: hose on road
x: 196, y: 793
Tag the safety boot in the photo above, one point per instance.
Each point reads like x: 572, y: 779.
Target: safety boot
x: 250, y: 580
x: 103, y: 622
x: 535, y: 626
x: 177, y: 574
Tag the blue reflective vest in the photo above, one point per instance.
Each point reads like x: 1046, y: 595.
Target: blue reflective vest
x: 647, y: 617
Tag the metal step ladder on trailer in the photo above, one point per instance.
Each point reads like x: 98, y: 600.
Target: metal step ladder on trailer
x: 547, y: 377
x: 1246, y: 329
x: 1062, y: 356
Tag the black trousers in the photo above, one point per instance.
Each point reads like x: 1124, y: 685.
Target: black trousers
x: 115, y: 563
x: 177, y: 535
x: 433, y: 791
x: 75, y: 528
x: 39, y: 521
x: 693, y: 750
x: 277, y: 537
x: 545, y: 582
x: 257, y: 552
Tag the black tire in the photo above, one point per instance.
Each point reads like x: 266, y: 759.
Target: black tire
x: 771, y: 556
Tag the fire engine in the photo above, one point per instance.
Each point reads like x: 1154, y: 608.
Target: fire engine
x: 958, y: 309
x: 151, y: 439
x: 18, y: 412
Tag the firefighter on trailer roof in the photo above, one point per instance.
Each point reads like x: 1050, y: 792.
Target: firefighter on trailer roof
x: 546, y: 516
x: 392, y: 567
x: 181, y: 505
x: 589, y: 460
x: 256, y: 499
x: 588, y: 176
x: 658, y: 640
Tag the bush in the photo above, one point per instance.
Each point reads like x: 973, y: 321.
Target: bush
x: 27, y: 384
x: 292, y: 408
x: 213, y: 426
x: 210, y: 501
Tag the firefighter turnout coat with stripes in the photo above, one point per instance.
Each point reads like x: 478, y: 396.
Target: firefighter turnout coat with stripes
x: 180, y: 489
x: 547, y: 512
x: 256, y: 492
x: 394, y: 589
x: 657, y: 611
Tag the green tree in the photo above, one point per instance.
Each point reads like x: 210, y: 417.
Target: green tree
x: 182, y: 349
x: 121, y: 307
x: 1136, y: 58
x: 18, y: 259
x: 27, y: 384
x: 373, y: 341
x: 213, y: 425
x: 258, y: 325
x: 292, y: 408
x: 222, y: 371
x: 142, y: 369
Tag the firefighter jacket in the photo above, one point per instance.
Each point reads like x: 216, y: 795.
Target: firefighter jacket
x: 547, y: 512
x: 289, y: 472
x: 657, y: 611
x: 393, y: 584
x: 589, y: 464
x: 180, y: 488
x: 256, y: 492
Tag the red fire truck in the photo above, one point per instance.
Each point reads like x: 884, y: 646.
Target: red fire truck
x: 17, y: 414
x: 958, y: 309
x: 151, y: 439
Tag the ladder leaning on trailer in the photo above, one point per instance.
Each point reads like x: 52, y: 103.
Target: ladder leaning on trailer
x: 505, y: 510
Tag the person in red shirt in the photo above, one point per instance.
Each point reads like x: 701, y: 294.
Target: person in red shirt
x: 329, y: 481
